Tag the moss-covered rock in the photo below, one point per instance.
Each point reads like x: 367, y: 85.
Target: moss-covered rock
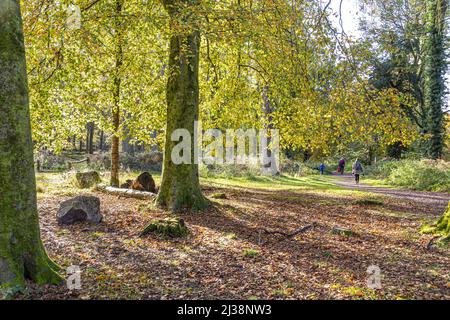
x: 87, y: 179
x: 169, y: 227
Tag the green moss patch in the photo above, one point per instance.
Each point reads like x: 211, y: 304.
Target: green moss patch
x: 343, y: 232
x: 169, y: 227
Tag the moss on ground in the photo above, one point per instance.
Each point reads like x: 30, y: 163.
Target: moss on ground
x: 169, y: 227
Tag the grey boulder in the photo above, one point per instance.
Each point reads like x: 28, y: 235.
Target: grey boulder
x: 80, y: 209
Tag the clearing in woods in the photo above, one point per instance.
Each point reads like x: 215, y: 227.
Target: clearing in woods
x: 234, y: 252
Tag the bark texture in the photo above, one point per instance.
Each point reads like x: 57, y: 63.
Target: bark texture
x: 180, y: 187
x: 22, y: 254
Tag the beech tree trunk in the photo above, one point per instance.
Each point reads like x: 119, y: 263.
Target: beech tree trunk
x: 180, y: 186
x: 268, y: 109
x: 22, y: 254
x: 117, y: 83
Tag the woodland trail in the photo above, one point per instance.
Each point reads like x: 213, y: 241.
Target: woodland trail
x: 437, y: 202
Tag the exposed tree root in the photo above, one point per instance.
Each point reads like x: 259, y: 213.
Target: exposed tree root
x: 289, y: 235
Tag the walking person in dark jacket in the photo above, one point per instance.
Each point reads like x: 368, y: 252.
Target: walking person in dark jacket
x: 341, y: 166
x: 357, y: 170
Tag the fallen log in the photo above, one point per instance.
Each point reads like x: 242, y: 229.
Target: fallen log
x: 127, y: 193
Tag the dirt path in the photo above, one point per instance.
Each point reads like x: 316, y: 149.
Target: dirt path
x: 437, y: 202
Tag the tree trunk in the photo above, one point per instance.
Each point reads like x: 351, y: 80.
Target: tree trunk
x: 268, y: 109
x: 434, y: 84
x: 180, y: 186
x: 100, y: 144
x: 441, y: 227
x: 90, y: 138
x: 117, y: 82
x: 22, y: 254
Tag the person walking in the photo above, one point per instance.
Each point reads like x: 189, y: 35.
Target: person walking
x: 322, y: 168
x: 341, y: 166
x: 357, y: 170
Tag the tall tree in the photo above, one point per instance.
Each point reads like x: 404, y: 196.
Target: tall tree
x: 180, y: 187
x: 22, y: 254
x: 118, y: 38
x: 434, y: 83
x: 108, y: 66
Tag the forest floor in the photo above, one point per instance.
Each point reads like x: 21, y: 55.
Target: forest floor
x: 229, y: 255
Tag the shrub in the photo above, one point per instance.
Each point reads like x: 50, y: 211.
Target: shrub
x: 144, y: 161
x: 427, y: 175
x: 299, y: 168
x: 47, y: 161
x: 229, y: 170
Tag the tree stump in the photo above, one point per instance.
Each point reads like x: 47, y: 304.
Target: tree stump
x: 169, y: 227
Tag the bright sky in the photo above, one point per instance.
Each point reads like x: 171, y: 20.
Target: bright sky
x: 350, y: 14
x: 350, y: 11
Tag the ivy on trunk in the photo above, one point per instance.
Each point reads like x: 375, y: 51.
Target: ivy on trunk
x: 434, y: 85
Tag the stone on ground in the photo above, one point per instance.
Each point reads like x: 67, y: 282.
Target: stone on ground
x: 80, y: 209
x: 144, y: 182
x: 87, y: 179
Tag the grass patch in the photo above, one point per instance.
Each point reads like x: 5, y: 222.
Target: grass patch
x: 250, y: 252
x: 273, y: 182
x: 231, y: 236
